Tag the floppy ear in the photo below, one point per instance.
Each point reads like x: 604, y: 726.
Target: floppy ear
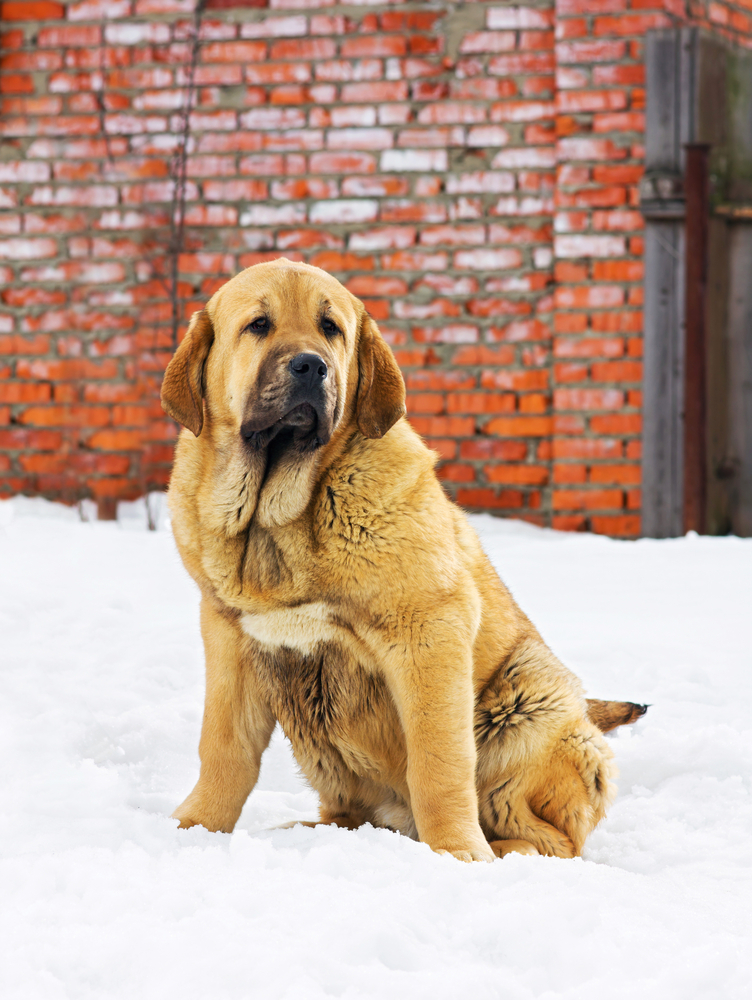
x: 381, y: 390
x: 183, y: 383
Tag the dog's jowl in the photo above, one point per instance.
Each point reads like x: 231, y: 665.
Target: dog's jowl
x: 345, y: 597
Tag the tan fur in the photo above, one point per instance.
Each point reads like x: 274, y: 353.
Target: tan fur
x: 344, y: 596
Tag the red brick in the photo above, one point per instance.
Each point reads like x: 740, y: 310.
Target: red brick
x: 570, y: 473
x: 570, y: 372
x: 389, y: 45
x: 16, y: 344
x: 570, y: 347
x: 480, y: 402
x: 626, y: 121
x: 117, y: 440
x: 413, y: 261
x: 617, y: 322
x: 332, y: 261
x: 34, y: 297
x: 22, y: 438
x: 484, y: 356
x: 630, y: 24
x: 588, y: 399
x: 426, y: 310
x: 411, y: 211
x: 568, y: 522
x: 587, y: 448
x: 618, y: 270
x: 498, y: 307
x: 15, y: 83
x: 14, y: 39
x: 574, y: 101
x: 487, y: 448
x: 612, y: 475
x: 533, y: 402
x: 456, y: 333
x: 587, y: 499
x: 342, y: 163
x: 31, y: 10
x: 24, y: 392
x: 444, y: 426
x: 568, y: 423
x: 517, y: 380
x: 371, y: 285
x: 488, y: 499
x: 455, y: 472
x: 406, y: 359
x: 591, y: 51
x: 71, y: 416
x: 617, y: 371
x: 482, y: 89
x: 74, y: 368
x: 521, y: 475
x: 374, y: 93
x: 373, y: 186
x: 591, y: 296
x: 519, y: 426
x: 425, y: 402
x: 625, y: 525
x: 616, y: 423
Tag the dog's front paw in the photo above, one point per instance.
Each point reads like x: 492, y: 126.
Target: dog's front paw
x: 193, y: 812
x: 477, y: 853
x: 185, y: 821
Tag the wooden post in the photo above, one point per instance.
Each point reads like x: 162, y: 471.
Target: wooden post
x: 695, y: 350
x: 107, y: 509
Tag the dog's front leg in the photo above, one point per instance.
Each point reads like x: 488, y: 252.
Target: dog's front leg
x: 433, y: 689
x: 236, y: 729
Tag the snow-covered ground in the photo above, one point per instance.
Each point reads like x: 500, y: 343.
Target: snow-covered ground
x: 100, y: 709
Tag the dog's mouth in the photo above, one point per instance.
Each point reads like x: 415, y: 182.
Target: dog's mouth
x: 299, y: 427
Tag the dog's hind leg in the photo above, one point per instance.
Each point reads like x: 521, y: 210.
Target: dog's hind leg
x: 503, y: 847
x: 556, y: 801
x: 345, y: 822
x: 607, y: 715
x: 573, y: 790
x: 522, y: 827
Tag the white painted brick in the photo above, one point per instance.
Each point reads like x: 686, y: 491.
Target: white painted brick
x: 414, y: 159
x: 589, y: 246
x: 342, y: 211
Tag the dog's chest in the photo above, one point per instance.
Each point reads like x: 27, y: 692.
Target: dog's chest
x: 333, y: 711
x: 299, y: 628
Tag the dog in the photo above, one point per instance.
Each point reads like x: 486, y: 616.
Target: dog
x: 344, y: 596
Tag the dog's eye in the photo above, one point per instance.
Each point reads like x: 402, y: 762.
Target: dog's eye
x: 329, y: 327
x: 259, y: 325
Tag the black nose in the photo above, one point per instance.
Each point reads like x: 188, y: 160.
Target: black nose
x: 309, y: 368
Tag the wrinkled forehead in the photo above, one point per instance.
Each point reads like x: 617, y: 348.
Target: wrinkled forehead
x: 285, y: 291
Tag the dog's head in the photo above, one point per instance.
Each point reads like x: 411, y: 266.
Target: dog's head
x: 280, y: 361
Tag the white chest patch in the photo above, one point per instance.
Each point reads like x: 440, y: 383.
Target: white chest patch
x: 298, y: 628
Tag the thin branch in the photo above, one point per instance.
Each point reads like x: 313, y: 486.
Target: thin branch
x: 179, y: 171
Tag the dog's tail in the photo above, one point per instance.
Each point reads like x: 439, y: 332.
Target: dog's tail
x: 607, y: 715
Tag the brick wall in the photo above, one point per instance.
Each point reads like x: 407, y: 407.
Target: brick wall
x: 468, y: 169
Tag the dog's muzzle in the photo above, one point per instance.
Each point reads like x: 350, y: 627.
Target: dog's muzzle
x: 301, y: 419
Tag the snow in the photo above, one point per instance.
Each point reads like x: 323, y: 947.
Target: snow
x: 100, y: 711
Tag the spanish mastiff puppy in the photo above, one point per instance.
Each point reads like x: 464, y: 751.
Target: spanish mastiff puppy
x: 344, y: 596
